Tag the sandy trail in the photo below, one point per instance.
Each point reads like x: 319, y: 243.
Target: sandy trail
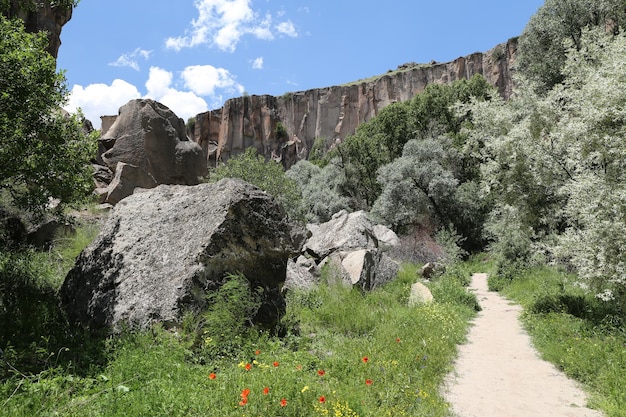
x: 499, y: 374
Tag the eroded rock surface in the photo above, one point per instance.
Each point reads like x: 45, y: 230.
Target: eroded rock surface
x: 162, y: 249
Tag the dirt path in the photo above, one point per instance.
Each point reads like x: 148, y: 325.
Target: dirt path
x: 499, y: 374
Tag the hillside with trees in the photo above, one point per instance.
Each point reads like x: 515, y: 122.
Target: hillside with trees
x: 531, y: 189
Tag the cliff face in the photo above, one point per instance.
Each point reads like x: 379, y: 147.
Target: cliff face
x: 333, y: 112
x: 42, y: 16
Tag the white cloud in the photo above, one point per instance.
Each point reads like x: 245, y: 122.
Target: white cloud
x: 131, y: 59
x: 287, y: 28
x: 222, y: 23
x: 185, y: 104
x: 257, y: 63
x: 205, y: 79
x: 97, y: 100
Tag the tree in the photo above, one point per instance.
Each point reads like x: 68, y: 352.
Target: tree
x: 556, y: 164
x: 267, y: 175
x: 44, y: 152
x: 557, y: 25
x: 320, y: 196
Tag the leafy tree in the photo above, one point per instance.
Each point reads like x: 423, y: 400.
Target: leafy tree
x: 44, y: 153
x: 382, y: 139
x: 557, y: 25
x: 267, y: 175
x: 320, y: 196
x: 557, y: 161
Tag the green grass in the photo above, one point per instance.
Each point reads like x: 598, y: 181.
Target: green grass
x: 580, y: 334
x: 341, y: 352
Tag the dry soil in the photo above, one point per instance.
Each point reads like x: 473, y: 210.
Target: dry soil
x: 499, y: 374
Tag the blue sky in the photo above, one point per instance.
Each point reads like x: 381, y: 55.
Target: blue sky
x: 192, y: 55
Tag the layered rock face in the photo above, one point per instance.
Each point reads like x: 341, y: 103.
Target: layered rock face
x: 43, y: 16
x: 163, y: 249
x: 334, y: 112
x: 145, y: 146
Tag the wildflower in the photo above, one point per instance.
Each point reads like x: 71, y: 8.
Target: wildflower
x: 275, y: 364
x: 255, y: 362
x: 365, y: 359
x: 283, y: 402
x: 243, y: 402
x: 257, y: 352
x: 397, y: 340
x: 212, y: 375
x: 368, y: 382
x: 322, y: 399
x: 304, y: 389
x: 266, y: 390
x: 299, y: 367
x: 248, y: 367
x: 321, y: 372
x: 245, y: 393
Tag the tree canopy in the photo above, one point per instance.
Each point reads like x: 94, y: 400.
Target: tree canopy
x: 44, y: 152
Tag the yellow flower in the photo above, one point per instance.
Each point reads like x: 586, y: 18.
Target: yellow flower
x: 305, y: 389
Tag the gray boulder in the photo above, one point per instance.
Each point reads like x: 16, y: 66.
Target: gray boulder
x: 420, y: 294
x: 163, y: 249
x: 150, y: 137
x: 344, y: 232
x: 301, y: 273
x: 369, y: 268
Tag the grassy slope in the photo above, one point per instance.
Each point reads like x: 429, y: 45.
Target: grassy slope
x: 378, y: 357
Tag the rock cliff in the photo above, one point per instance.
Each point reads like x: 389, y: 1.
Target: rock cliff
x: 42, y: 16
x: 333, y: 112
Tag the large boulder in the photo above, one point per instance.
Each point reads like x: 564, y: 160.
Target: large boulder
x: 369, y: 268
x: 149, y: 136
x: 343, y: 232
x: 162, y: 249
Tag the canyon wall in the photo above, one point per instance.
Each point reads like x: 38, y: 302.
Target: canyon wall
x: 333, y: 112
x: 42, y: 16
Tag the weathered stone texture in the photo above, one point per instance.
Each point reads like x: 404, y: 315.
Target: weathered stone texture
x: 334, y: 112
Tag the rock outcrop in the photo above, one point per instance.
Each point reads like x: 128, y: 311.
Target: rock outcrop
x: 334, y: 112
x: 146, y: 146
x: 42, y: 16
x: 162, y: 249
x: 352, y: 246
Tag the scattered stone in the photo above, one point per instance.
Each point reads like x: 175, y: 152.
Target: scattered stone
x: 420, y: 294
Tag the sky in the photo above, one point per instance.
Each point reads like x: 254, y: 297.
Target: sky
x: 193, y: 55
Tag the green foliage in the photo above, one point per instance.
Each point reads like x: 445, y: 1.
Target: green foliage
x: 320, y: 189
x: 34, y: 332
x: 555, y: 27
x: 554, y: 165
x: 223, y: 330
x: 267, y: 175
x: 382, y: 139
x: 281, y: 132
x: 44, y: 153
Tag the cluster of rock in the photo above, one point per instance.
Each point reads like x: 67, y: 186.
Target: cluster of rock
x: 352, y: 246
x: 145, y: 146
x: 163, y: 249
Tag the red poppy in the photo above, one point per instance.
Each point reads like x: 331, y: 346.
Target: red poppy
x: 322, y: 399
x: 321, y: 372
x: 245, y: 393
x: 397, y: 340
x: 275, y: 364
x: 266, y: 390
x: 248, y: 367
x: 368, y: 382
x: 365, y: 359
x: 212, y: 376
x: 243, y: 402
x: 283, y: 402
x: 257, y: 352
